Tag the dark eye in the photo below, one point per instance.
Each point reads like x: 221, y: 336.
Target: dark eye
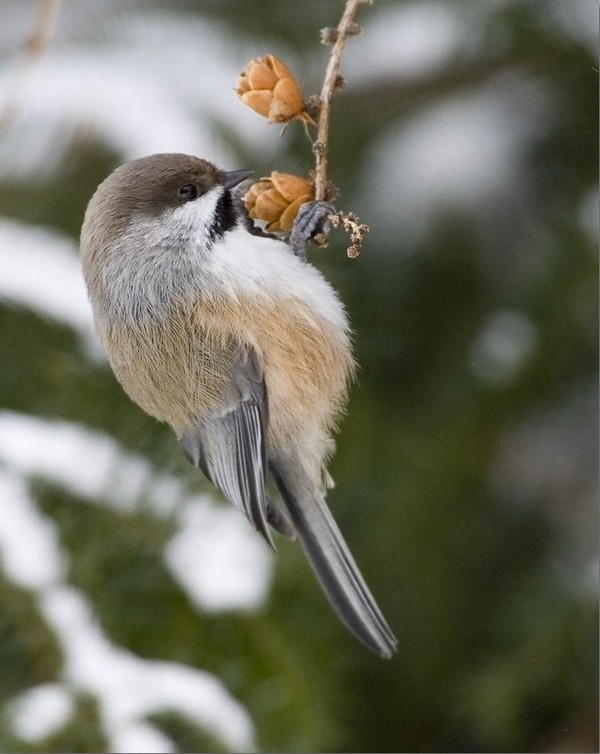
x: 188, y: 192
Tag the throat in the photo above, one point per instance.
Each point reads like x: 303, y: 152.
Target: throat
x: 225, y: 217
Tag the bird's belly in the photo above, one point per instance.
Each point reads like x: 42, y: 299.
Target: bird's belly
x: 307, y: 363
x: 177, y: 368
x: 174, y: 370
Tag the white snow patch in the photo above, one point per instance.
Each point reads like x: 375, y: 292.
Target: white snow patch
x: 41, y: 711
x: 213, y: 557
x: 28, y: 543
x: 216, y: 555
x: 41, y: 271
x: 129, y: 688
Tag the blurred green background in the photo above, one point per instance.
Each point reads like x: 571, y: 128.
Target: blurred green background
x: 466, y: 478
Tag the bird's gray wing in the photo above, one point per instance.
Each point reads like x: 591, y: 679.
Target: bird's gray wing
x: 229, y: 446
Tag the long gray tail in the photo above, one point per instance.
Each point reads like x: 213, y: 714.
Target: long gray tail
x: 335, y: 568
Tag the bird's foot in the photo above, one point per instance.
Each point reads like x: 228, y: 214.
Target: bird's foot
x: 310, y: 221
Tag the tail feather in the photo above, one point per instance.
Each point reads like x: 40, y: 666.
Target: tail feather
x: 336, y: 570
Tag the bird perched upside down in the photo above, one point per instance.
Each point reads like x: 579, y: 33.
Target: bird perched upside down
x: 236, y: 343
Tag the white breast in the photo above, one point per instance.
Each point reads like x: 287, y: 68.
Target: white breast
x: 245, y: 262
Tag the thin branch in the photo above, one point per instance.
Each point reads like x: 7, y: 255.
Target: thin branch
x: 336, y: 37
x: 34, y: 46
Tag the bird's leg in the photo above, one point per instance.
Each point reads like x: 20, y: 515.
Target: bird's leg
x: 310, y: 220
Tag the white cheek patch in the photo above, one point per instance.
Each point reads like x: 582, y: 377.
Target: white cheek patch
x: 157, y: 253
x: 193, y: 220
x: 189, y: 223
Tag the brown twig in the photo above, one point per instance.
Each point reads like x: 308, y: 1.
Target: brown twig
x: 337, y: 38
x: 324, y: 190
x: 33, y: 47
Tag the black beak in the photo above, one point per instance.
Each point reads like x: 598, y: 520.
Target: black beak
x: 234, y: 177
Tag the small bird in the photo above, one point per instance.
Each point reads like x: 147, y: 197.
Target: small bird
x: 237, y: 343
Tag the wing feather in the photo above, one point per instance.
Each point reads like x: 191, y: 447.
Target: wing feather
x: 229, y: 446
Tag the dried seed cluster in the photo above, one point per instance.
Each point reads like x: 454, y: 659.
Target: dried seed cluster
x: 277, y: 198
x: 270, y: 89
